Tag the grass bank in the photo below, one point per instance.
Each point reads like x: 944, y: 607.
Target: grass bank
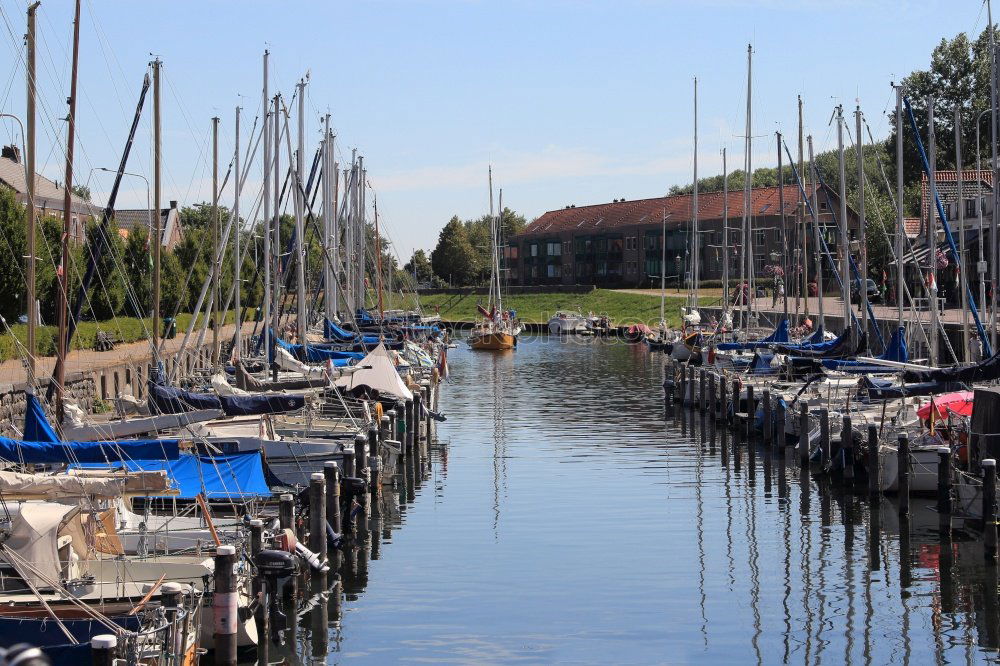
x: 623, y: 307
x: 121, y: 329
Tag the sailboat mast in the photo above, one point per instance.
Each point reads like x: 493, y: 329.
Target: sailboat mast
x: 496, y: 251
x: 266, y: 138
x: 845, y: 249
x: 862, y: 220
x: 663, y: 269
x: 747, y: 198
x: 492, y: 275
x: 782, y: 230
x: 216, y: 299
x: 932, y: 234
x: 693, y: 300
x: 237, y: 343
x: 800, y: 218
x: 275, y: 267
x: 156, y: 234
x: 994, y: 250
x: 817, y: 247
x: 63, y: 295
x: 962, y: 275
x: 30, y: 176
x: 900, y: 226
x: 300, y: 248
x: 329, y: 217
x: 724, y: 250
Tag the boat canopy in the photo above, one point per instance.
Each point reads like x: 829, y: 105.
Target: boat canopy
x: 884, y: 389
x: 36, y: 425
x: 169, y: 400
x: 896, y: 351
x: 779, y: 335
x: 984, y: 371
x: 248, y: 382
x: 21, y: 451
x: 377, y: 371
x: 34, y: 536
x: 233, y: 476
x: 315, y: 353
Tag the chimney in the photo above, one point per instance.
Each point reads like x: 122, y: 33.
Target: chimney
x: 12, y: 152
x: 173, y: 204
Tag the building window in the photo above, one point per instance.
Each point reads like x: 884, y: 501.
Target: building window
x: 553, y: 249
x: 534, y: 250
x: 759, y: 237
x: 552, y: 271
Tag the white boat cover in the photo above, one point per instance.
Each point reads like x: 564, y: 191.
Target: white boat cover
x: 80, y: 483
x: 288, y: 362
x: 377, y: 371
x: 222, y: 387
x: 34, y: 537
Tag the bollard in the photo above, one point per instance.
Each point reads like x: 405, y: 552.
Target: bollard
x: 782, y: 440
x: 102, y: 649
x: 224, y: 606
x: 418, y: 412
x: 766, y: 423
x: 702, y: 394
x: 751, y: 413
x: 713, y: 406
x: 286, y: 512
x: 256, y: 537
x: 804, y: 434
x: 944, y: 489
x: 425, y: 421
x: 873, y: 460
x: 360, y: 459
x: 847, y: 449
x: 903, y: 473
x: 332, y: 474
x: 723, y: 398
x: 681, y: 383
x: 691, y: 386
x: 989, y: 508
x: 408, y: 425
x: 824, y: 436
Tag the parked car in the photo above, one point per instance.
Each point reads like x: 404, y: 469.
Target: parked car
x: 871, y: 287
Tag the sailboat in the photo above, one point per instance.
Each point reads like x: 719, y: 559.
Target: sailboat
x: 497, y: 330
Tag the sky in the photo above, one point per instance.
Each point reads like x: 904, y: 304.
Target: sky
x: 571, y: 101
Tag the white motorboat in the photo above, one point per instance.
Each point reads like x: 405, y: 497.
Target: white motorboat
x: 566, y: 322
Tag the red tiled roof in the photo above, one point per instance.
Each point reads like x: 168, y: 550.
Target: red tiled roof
x: 678, y: 208
x: 947, y: 186
x: 911, y: 226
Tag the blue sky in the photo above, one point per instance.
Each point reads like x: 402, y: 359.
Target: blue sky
x: 573, y: 101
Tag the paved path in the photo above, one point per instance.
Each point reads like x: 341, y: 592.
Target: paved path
x: 12, y: 371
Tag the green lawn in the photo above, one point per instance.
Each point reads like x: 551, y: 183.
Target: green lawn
x: 623, y: 308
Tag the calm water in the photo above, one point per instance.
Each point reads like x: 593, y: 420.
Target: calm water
x: 562, y: 519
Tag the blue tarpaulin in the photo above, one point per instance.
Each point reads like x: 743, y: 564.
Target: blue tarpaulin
x: 36, y: 426
x: 317, y: 354
x: 896, y: 351
x: 16, y: 450
x: 780, y: 335
x: 238, y: 475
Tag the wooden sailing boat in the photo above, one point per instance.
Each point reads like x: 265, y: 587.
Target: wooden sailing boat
x: 497, y: 330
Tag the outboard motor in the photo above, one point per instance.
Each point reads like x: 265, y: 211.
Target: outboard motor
x: 271, y: 566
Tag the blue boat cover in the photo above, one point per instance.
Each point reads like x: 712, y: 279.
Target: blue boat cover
x: 317, y: 354
x: 333, y: 332
x: 896, y: 351
x: 36, y: 425
x: 16, y: 450
x: 761, y: 364
x: 42, y: 633
x: 233, y: 476
x: 884, y: 389
x: 780, y: 335
x: 169, y: 400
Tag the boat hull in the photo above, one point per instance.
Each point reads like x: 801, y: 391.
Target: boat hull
x: 493, y: 341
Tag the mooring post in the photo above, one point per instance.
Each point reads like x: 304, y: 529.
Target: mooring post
x: 944, y: 488
x: 723, y: 399
x: 317, y: 524
x: 713, y: 406
x: 102, y: 649
x: 702, y: 392
x: 385, y: 427
x: 428, y: 405
x: 408, y: 423
x: 824, y: 436
x: 847, y: 449
x: 224, y: 606
x: 765, y: 400
x: 682, y: 383
x: 418, y: 412
x: 903, y: 472
x: 873, y: 460
x: 374, y: 460
x: 804, y: 434
x: 751, y: 411
x: 286, y: 512
x: 782, y: 441
x: 360, y: 457
x: 990, y: 508
x: 332, y: 474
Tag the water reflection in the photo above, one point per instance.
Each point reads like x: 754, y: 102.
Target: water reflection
x: 567, y: 520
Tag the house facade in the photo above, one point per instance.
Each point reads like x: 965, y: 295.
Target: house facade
x: 632, y: 243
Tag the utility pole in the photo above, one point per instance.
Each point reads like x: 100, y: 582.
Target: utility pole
x: 30, y: 163
x: 155, y: 233
x: 862, y: 221
x: 817, y: 245
x: 266, y: 209
x: 216, y: 245
x: 932, y: 235
x: 237, y: 264
x: 63, y: 295
x: 845, y: 248
x: 300, y: 272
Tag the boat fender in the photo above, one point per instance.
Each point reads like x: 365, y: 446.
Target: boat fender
x: 711, y: 355
x: 285, y: 540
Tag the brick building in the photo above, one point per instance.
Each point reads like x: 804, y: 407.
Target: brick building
x: 620, y: 244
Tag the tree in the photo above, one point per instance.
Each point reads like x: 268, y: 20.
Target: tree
x: 454, y: 259
x: 81, y: 191
x: 420, y: 267
x: 107, y: 293
x: 12, y: 244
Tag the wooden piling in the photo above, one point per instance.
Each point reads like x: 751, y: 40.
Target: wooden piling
x: 702, y: 392
x: 374, y: 460
x: 691, y: 386
x: 847, y: 449
x: 873, y: 460
x: 782, y: 440
x: 360, y: 459
x: 408, y: 421
x: 944, y: 488
x: 682, y: 383
x: 317, y: 525
x: 721, y: 414
x: 103, y: 648
x: 713, y: 405
x: 751, y: 408
x: 824, y: 436
x: 225, y: 607
x: 332, y: 474
x: 765, y: 400
x: 286, y: 512
x: 903, y: 472
x: 990, y: 508
x: 804, y: 434
x: 260, y: 614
